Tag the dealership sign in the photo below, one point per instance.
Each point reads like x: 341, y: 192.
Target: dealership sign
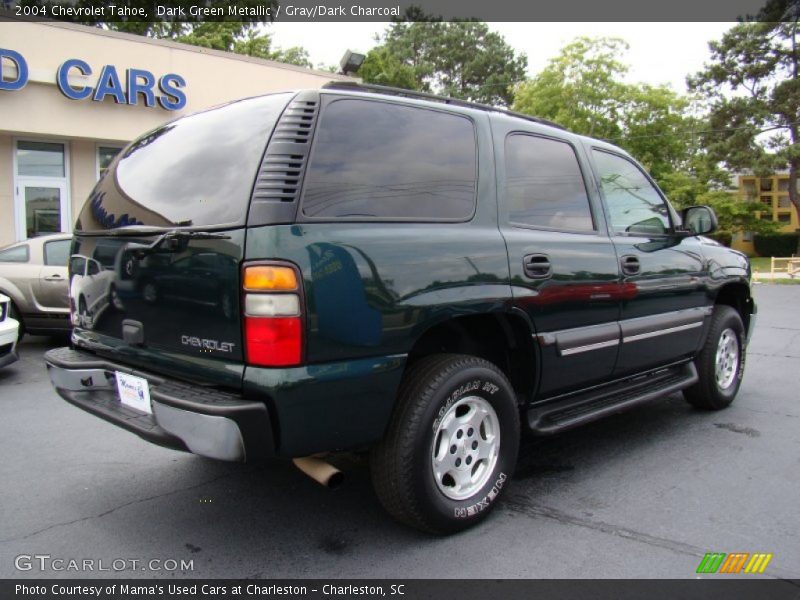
x: 134, y: 86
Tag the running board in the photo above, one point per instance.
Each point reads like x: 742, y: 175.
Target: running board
x: 568, y: 412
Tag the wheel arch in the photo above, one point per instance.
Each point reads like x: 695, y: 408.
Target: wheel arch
x: 737, y: 295
x: 503, y: 338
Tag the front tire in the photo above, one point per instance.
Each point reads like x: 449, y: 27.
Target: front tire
x: 452, y: 444
x: 720, y: 364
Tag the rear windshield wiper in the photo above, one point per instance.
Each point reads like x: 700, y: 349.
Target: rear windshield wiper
x: 174, y: 241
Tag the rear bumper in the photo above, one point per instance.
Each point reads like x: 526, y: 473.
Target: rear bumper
x: 185, y: 417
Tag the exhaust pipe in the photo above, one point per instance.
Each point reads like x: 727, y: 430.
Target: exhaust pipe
x: 320, y: 471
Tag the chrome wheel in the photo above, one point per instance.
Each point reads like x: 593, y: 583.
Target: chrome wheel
x: 465, y: 447
x: 727, y: 359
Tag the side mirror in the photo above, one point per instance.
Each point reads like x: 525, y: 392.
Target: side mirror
x: 699, y: 220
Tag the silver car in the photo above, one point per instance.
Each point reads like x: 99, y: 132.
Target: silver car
x: 34, y: 275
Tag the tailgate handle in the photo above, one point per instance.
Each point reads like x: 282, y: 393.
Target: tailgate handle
x: 537, y: 266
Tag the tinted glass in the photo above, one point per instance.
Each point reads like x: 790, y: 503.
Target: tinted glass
x: 105, y: 154
x: 40, y: 159
x: 387, y: 161
x: 544, y: 185
x: 77, y: 265
x: 634, y: 204
x: 195, y: 171
x: 17, y: 254
x: 56, y: 254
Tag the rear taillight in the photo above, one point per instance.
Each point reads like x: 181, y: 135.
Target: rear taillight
x: 273, y: 319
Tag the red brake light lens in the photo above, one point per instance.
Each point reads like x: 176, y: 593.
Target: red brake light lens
x: 273, y: 341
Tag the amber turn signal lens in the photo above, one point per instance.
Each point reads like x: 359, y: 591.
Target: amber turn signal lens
x: 269, y: 278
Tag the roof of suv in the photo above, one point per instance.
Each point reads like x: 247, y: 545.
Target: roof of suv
x: 363, y: 88
x: 392, y: 91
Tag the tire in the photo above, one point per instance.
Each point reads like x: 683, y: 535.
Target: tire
x: 114, y: 301
x: 226, y: 305
x: 725, y: 342
x: 438, y: 396
x: 83, y: 312
x: 150, y: 292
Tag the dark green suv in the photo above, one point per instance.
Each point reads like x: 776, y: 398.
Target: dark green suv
x: 361, y: 268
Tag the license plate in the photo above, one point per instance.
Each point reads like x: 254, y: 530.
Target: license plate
x: 134, y: 392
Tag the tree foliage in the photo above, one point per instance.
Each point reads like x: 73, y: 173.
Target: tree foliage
x: 230, y: 35
x: 751, y: 88
x: 462, y: 59
x: 584, y: 89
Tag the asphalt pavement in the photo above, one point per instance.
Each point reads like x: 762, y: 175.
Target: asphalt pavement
x: 643, y: 494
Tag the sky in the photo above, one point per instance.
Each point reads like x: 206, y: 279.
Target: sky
x: 660, y: 53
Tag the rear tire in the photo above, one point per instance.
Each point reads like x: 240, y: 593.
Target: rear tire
x: 720, y: 364
x: 452, y: 444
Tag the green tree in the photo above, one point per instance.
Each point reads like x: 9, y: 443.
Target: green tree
x: 384, y: 68
x: 752, y: 90
x: 230, y: 35
x: 462, y: 59
x: 583, y: 89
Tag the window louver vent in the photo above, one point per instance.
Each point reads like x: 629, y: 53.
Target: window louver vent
x: 279, y: 177
x: 285, y: 159
x: 296, y: 123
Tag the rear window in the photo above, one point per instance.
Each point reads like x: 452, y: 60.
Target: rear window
x: 18, y: 254
x: 378, y: 160
x: 196, y: 171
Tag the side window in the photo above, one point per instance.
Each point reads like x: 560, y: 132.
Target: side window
x: 635, y: 206
x: 17, y: 254
x: 544, y: 184
x: 94, y: 267
x: 56, y: 254
x: 77, y: 264
x: 378, y: 160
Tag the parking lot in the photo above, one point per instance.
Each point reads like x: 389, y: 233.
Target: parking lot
x: 642, y: 494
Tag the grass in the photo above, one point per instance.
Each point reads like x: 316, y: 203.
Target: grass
x: 760, y: 264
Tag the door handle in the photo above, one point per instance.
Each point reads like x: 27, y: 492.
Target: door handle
x: 537, y: 266
x: 630, y: 265
x: 53, y: 278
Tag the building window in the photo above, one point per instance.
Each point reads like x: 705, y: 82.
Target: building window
x: 747, y: 236
x: 783, y: 185
x: 783, y: 201
x: 41, y: 184
x: 749, y: 187
x: 105, y: 154
x: 784, y: 217
x: 766, y: 184
x: 40, y: 159
x: 766, y: 200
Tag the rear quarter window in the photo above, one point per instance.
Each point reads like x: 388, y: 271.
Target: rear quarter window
x: 374, y: 160
x: 17, y: 254
x: 195, y: 171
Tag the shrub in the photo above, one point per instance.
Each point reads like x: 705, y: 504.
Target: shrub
x: 777, y: 244
x: 723, y: 237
